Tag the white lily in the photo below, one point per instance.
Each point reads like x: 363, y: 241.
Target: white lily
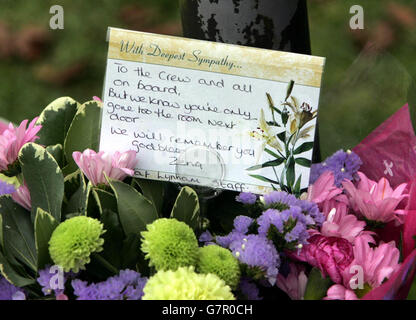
x: 267, y: 135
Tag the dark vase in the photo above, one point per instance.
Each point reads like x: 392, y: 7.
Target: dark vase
x: 268, y: 24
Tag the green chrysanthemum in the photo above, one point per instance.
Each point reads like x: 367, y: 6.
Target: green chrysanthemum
x: 170, y: 244
x: 74, y: 240
x: 220, y: 261
x: 186, y: 284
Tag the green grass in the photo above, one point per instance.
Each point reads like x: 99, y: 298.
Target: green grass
x: 358, y: 92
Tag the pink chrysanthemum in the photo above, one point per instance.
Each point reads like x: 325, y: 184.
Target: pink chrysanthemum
x: 347, y: 226
x: 13, y: 139
x: 376, y: 201
x: 295, y: 282
x: 377, y: 263
x: 326, y: 195
x: 97, y: 165
x: 339, y: 292
x: 335, y: 206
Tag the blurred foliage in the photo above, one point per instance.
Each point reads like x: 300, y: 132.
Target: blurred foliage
x: 72, y: 61
x: 368, y: 73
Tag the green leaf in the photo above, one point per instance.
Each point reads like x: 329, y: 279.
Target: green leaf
x: 79, y: 200
x: 134, y: 209
x: 303, y: 148
x: 259, y: 177
x: 271, y: 153
x: 273, y: 163
x: 282, y: 136
x: 254, y: 168
x: 186, y: 208
x: 131, y: 254
x: 290, y: 172
x: 277, y: 110
x: 272, y: 123
x: 18, y: 233
x: 44, y: 179
x: 57, y: 152
x: 285, y: 117
x: 317, y: 286
x: 56, y: 119
x: 113, y: 238
x: 154, y: 191
x: 104, y: 200
x: 303, y: 162
x: 72, y: 183
x: 84, y: 132
x: 45, y: 224
x: 296, y: 190
x: 12, y: 275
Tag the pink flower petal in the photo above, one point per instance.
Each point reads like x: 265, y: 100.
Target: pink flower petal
x: 96, y: 166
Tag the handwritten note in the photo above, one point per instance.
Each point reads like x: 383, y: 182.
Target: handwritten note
x: 210, y: 114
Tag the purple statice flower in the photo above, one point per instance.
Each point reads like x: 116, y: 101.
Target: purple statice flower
x: 258, y: 253
x: 206, y: 237
x: 84, y: 291
x: 249, y: 289
x: 344, y: 165
x: 6, y: 188
x: 280, y: 200
x: 225, y: 241
x: 128, y: 285
x: 246, y: 198
x: 50, y: 282
x: 48, y: 279
x: 299, y: 234
x: 311, y: 211
x: 9, y: 292
x: 242, y: 223
x: 291, y: 225
x: 270, y: 217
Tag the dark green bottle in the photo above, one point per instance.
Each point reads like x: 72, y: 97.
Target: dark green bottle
x: 269, y: 24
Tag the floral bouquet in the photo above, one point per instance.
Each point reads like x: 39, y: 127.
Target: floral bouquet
x: 75, y: 224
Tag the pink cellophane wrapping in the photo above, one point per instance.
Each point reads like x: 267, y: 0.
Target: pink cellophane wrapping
x: 390, y: 150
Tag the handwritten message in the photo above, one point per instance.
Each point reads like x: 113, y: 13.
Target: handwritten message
x: 194, y: 116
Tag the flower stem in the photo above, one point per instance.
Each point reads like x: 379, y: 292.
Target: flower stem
x: 105, y: 263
